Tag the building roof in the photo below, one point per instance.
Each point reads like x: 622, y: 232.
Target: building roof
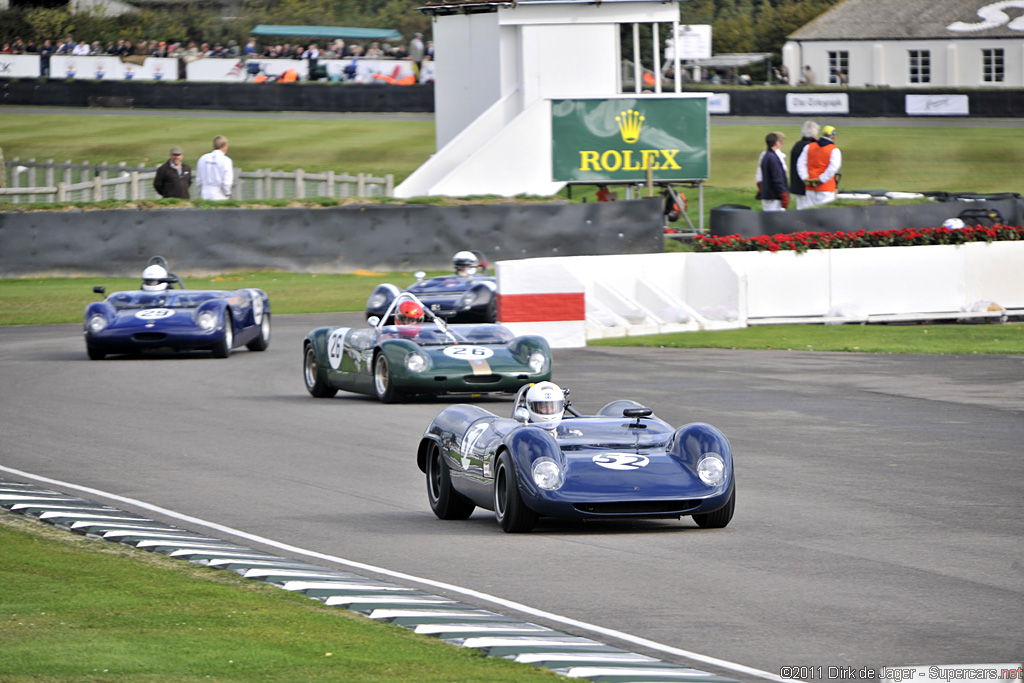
x: 915, y: 20
x: 329, y: 32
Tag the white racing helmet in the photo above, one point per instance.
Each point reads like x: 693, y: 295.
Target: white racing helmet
x: 954, y: 224
x: 152, y: 278
x: 546, y: 403
x: 465, y: 263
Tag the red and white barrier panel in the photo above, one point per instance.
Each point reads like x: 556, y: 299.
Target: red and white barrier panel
x: 539, y: 296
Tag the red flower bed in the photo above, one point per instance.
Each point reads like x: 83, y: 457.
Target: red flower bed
x: 905, y: 237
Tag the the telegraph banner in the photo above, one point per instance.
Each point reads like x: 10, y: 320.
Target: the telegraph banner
x: 628, y: 139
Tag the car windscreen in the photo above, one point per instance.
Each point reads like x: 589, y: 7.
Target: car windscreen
x: 429, y: 334
x: 173, y: 299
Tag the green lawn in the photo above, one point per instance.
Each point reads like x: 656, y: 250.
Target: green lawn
x: 75, y: 609
x: 37, y: 301
x: 898, y: 157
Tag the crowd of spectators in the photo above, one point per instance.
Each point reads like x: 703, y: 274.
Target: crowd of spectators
x: 338, y: 49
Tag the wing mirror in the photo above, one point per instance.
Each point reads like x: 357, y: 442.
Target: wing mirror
x: 373, y: 320
x: 521, y: 414
x: 419, y: 275
x: 99, y: 289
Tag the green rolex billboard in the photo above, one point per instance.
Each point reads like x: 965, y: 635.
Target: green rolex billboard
x: 621, y: 140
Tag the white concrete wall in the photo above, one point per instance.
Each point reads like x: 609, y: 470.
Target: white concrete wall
x: 468, y: 70
x: 656, y: 293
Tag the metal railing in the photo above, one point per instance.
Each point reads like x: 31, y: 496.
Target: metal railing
x: 49, y: 181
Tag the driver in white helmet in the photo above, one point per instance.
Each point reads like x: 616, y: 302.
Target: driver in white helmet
x: 545, y: 402
x: 465, y: 263
x: 154, y: 279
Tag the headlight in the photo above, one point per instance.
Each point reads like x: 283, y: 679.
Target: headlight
x: 96, y: 323
x: 538, y: 361
x: 547, y: 474
x: 376, y: 300
x: 416, y: 362
x: 711, y: 469
x: 469, y: 299
x: 207, y: 320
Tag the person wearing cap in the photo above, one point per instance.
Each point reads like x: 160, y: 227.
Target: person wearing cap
x: 174, y: 177
x: 417, y: 51
x: 819, y: 165
x: 216, y: 171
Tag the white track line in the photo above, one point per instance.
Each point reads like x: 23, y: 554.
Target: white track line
x: 519, y: 607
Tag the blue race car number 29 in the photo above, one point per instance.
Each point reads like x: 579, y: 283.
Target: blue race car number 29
x: 468, y: 352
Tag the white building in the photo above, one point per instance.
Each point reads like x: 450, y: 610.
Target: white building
x: 913, y: 43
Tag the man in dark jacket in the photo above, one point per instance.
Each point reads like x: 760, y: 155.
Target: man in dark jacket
x: 809, y: 131
x: 174, y: 178
x: 774, y: 189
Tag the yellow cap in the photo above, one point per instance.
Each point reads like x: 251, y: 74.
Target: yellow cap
x: 828, y: 132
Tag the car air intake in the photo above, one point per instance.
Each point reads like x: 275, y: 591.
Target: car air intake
x: 638, y: 507
x: 149, y: 336
x: 482, y: 379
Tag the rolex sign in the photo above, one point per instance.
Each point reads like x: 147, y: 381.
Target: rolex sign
x: 622, y: 140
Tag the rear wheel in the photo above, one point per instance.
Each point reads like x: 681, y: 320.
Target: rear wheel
x: 222, y: 349
x: 315, y: 384
x: 444, y: 500
x: 719, y: 519
x: 509, y: 509
x: 382, y: 380
x: 261, y: 342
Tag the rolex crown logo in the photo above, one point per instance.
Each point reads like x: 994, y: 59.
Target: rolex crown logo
x: 630, y: 123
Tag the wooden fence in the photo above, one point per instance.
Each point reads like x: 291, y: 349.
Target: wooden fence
x: 49, y: 181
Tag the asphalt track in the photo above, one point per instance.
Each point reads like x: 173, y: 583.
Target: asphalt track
x: 879, y: 515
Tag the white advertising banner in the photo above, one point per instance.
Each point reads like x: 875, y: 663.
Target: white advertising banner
x: 369, y: 70
x: 19, y: 66
x: 937, y: 105
x: 719, y: 103
x: 694, y: 42
x: 237, y: 70
x: 113, y: 68
x: 818, y: 103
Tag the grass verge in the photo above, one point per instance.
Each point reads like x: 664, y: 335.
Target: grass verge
x: 903, y: 338
x: 79, y: 609
x: 40, y: 301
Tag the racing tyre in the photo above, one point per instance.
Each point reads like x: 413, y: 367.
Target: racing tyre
x: 382, y: 380
x: 509, y: 509
x: 719, y: 519
x: 222, y: 349
x: 315, y: 383
x: 261, y: 342
x: 444, y: 500
x: 95, y: 354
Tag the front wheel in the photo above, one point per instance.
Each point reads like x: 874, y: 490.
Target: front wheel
x: 444, y: 500
x: 315, y: 384
x: 261, y: 342
x: 719, y: 519
x: 383, y: 382
x: 509, y: 509
x: 222, y: 349
x: 94, y: 353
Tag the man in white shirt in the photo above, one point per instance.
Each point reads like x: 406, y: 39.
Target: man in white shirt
x: 216, y: 172
x: 81, y: 50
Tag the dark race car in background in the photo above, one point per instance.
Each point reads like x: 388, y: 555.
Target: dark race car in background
x: 622, y: 462
x: 180, y: 319
x: 393, y: 361
x: 458, y: 298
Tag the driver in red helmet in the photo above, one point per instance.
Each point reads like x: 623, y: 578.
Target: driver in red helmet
x: 409, y: 317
